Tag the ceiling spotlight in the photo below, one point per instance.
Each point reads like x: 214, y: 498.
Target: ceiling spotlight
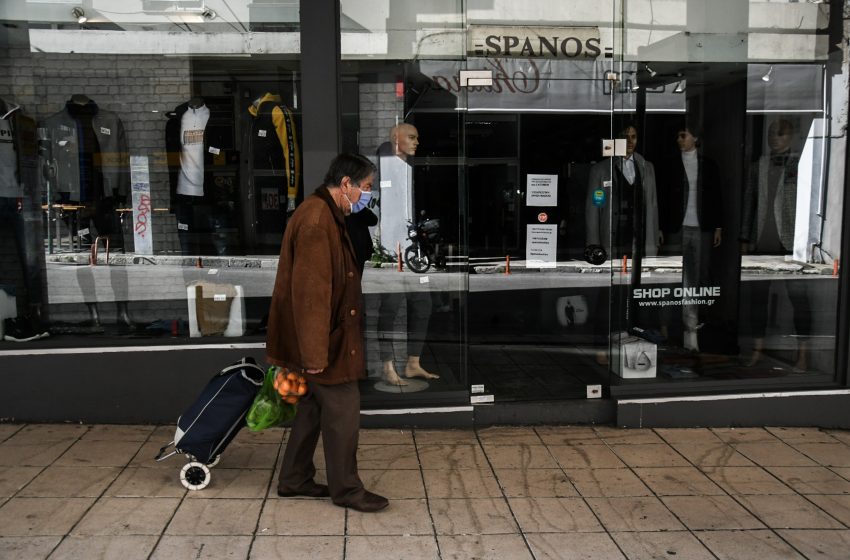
x: 679, y: 87
x: 209, y: 14
x: 652, y: 72
x: 766, y: 77
x: 635, y: 86
x: 79, y: 15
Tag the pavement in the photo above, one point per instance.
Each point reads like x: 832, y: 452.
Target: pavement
x: 544, y: 492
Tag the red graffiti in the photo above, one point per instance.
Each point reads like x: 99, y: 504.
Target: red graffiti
x: 144, y: 209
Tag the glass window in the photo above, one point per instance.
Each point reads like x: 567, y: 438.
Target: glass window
x: 151, y: 157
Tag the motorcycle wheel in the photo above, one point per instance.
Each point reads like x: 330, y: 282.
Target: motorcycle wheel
x: 417, y: 261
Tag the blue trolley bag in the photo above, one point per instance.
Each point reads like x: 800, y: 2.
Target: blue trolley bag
x: 206, y: 428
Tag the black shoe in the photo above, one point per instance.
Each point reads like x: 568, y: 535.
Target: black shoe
x: 21, y: 330
x: 367, y: 503
x: 311, y: 490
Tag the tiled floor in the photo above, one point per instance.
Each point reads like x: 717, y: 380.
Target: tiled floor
x: 559, y: 492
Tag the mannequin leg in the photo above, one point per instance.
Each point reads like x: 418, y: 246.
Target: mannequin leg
x: 390, y: 375
x: 418, y: 316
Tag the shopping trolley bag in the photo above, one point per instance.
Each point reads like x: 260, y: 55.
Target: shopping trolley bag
x: 213, y: 420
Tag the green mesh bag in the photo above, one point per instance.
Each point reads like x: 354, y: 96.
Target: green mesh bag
x: 268, y: 409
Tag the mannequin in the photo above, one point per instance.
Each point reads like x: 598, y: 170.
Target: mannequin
x: 691, y: 219
x: 273, y: 143
x: 20, y: 220
x: 396, y: 208
x: 768, y: 219
x: 189, y: 155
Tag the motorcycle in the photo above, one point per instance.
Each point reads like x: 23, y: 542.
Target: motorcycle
x: 424, y: 250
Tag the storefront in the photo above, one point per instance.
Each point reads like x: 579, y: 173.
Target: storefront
x: 624, y: 212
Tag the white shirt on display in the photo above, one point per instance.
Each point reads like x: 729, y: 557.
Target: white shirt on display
x: 192, y: 125
x: 689, y: 160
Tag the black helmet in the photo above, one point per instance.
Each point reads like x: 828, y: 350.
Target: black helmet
x: 595, y: 254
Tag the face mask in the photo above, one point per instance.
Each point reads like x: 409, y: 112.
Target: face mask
x: 363, y: 202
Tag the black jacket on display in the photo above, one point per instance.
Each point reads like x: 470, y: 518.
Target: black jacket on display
x: 673, y: 191
x: 272, y: 142
x: 88, y: 147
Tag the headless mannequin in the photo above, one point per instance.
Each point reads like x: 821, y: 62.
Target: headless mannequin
x: 404, y: 139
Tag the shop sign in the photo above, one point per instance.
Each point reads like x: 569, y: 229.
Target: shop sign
x: 541, y: 243
x: 535, y: 42
x: 541, y: 190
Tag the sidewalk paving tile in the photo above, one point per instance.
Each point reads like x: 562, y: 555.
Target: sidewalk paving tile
x: 711, y: 513
x: 500, y: 435
x: 208, y: 547
x: 827, y: 454
x: 408, y: 517
x: 48, y: 433
x: 472, y: 516
x: 615, y: 436
x: 654, y: 545
x: 12, y: 479
x: 677, y: 481
x: 573, y: 546
x: 386, y: 457
x: 391, y: 548
x: 533, y: 483
x: 712, y: 454
x: 8, y: 430
x: 452, y: 456
x: 127, y: 516
x: 464, y: 482
x: 554, y: 515
x: 115, y: 432
x: 735, y: 545
x: 801, y: 435
x: 215, y: 516
x: 386, y: 437
x: 298, y: 516
x: 740, y: 435
x: 818, y: 544
x: 483, y: 547
x: 569, y: 435
x: 71, y: 482
x: 27, y: 547
x: 585, y: 456
x: 637, y: 514
x: 519, y: 456
x: 43, y: 517
x: 125, y: 547
x: 394, y: 484
x: 773, y: 454
x: 788, y: 512
x: 445, y: 437
x: 649, y: 455
x: 32, y: 455
x: 836, y: 506
x: 233, y: 483
x: 607, y: 483
x: 747, y: 480
x: 688, y: 435
x: 140, y: 482
x: 99, y: 453
x: 811, y: 480
x: 313, y: 547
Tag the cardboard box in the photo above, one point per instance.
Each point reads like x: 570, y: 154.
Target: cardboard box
x: 633, y: 357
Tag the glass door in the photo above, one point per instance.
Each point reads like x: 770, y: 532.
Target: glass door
x: 542, y: 282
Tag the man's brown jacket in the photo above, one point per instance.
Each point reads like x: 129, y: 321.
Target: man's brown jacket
x: 314, y: 320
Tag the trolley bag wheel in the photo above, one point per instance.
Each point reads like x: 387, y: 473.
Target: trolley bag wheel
x: 195, y: 476
x: 215, y: 461
x: 417, y: 259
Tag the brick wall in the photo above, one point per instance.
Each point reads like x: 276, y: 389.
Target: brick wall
x: 380, y: 110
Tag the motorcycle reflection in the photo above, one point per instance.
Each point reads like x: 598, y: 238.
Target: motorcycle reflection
x: 424, y: 250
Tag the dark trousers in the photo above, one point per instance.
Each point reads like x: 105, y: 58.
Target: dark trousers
x: 333, y: 411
